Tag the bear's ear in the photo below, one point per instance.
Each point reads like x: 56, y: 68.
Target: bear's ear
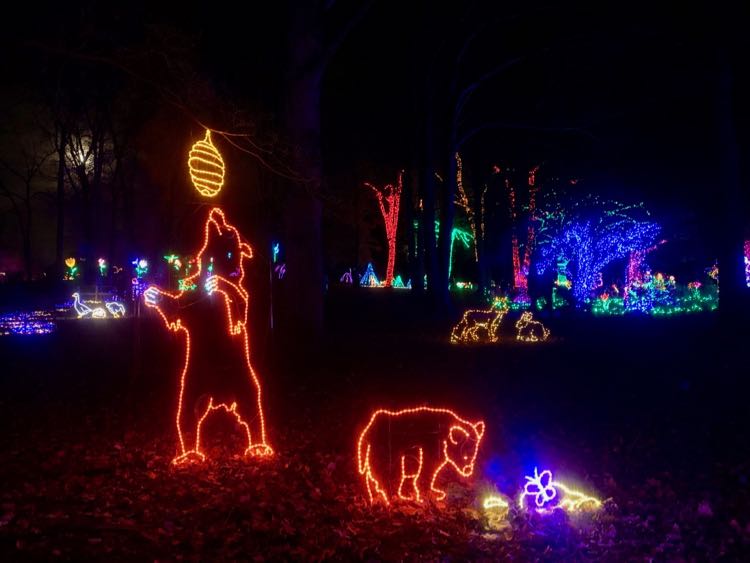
x: 479, y: 428
x: 456, y: 433
x: 217, y: 216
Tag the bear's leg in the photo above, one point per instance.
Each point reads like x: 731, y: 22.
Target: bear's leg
x: 374, y: 490
x: 188, y: 421
x: 251, y: 414
x: 411, y: 469
x: 439, y: 493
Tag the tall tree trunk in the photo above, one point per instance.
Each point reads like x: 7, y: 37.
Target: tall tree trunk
x: 303, y: 212
x: 733, y: 292
x: 447, y: 213
x: 27, y: 258
x: 87, y: 227
x: 60, y: 203
x: 96, y: 201
x: 428, y: 187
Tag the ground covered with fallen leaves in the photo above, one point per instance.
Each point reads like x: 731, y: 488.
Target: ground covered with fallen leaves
x: 649, y: 416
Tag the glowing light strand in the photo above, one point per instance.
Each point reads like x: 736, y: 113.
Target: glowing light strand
x: 231, y: 293
x: 529, y: 330
x: 27, y: 323
x: 453, y: 452
x: 476, y: 322
x: 369, y: 279
x: 591, y: 233
x: 463, y: 202
x: 206, y: 167
x: 389, y: 200
x: 544, y: 490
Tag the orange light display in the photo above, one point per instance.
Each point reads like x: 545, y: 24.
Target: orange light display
x: 206, y: 167
x: 389, y: 199
x: 402, y: 453
x: 478, y: 325
x: 530, y: 330
x: 204, y: 387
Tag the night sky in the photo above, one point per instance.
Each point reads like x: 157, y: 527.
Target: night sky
x: 622, y: 98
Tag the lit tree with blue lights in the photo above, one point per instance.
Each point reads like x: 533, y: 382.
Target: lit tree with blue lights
x: 591, y: 234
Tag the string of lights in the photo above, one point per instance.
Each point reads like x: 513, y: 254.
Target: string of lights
x: 549, y: 495
x: 459, y: 446
x: 244, y: 409
x: 389, y: 200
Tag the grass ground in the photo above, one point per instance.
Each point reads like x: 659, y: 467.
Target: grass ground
x: 649, y: 414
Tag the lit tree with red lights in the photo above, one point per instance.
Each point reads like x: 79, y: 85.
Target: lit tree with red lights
x: 521, y: 267
x: 389, y: 199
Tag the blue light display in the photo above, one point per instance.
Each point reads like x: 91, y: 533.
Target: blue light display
x: 591, y: 245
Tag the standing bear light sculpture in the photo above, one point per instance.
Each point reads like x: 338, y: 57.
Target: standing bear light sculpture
x: 212, y: 317
x: 403, y: 453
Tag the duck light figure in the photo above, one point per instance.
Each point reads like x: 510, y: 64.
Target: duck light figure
x: 81, y: 308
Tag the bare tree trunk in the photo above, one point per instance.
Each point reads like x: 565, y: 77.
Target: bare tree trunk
x: 428, y: 186
x: 303, y: 217
x: 60, y: 202
x: 27, y: 257
x: 96, y: 200
x: 733, y: 293
x: 447, y: 213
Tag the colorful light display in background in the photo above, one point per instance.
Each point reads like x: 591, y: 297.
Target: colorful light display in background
x: 545, y: 495
x: 82, y: 309
x: 398, y: 283
x: 478, y: 325
x: 347, y: 278
x: 141, y: 267
x: 102, y: 264
x: 522, y: 267
x: 389, y: 200
x: 658, y: 295
x: 747, y: 262
x: 234, y: 301
x: 174, y: 261
x: 464, y: 238
x: 275, y: 250
x: 420, y: 458
x: 71, y: 271
x: 591, y: 247
x: 369, y: 279
x: 280, y: 270
x: 637, y: 266
x: 206, y: 167
x: 463, y: 286
x: 591, y: 233
x: 27, y: 323
x: 502, y: 302
x: 463, y: 203
x: 529, y: 330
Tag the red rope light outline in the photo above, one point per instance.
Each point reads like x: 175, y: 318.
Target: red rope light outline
x: 389, y: 200
x: 236, y: 327
x: 371, y: 481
